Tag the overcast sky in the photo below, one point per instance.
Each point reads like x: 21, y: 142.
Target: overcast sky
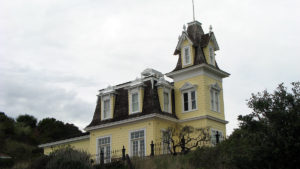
x: 55, y: 54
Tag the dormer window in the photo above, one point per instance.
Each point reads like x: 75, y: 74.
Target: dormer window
x: 186, y: 55
x: 167, y: 100
x: 212, y: 55
x: 106, y: 110
x: 134, y: 102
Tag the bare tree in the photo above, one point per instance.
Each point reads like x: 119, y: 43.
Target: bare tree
x: 185, y: 138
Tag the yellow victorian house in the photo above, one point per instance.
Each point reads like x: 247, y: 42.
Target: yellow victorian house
x: 137, y: 112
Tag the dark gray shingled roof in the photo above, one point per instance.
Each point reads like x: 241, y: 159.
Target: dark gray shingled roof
x: 150, y: 105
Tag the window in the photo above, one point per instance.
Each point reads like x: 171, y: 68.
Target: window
x: 165, y: 142
x: 189, y: 100
x: 186, y: 55
x: 103, y: 145
x: 214, y: 135
x: 106, y: 108
x: 167, y: 105
x: 215, y: 100
x: 134, y: 102
x: 137, y: 143
x: 212, y: 55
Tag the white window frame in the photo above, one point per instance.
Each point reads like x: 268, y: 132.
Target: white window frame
x: 215, y: 102
x: 134, y: 91
x: 97, y: 149
x: 183, y: 56
x: 145, y: 141
x: 169, y: 98
x: 189, y: 100
x: 211, y: 55
x: 213, y: 140
x: 103, y: 99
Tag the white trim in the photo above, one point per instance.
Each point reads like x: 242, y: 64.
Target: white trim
x: 103, y: 99
x: 129, y: 140
x: 128, y: 84
x: 97, y: 144
x: 184, y: 62
x: 166, y: 90
x: 154, y: 115
x: 64, y: 141
x: 131, y: 120
x: 203, y: 117
x: 202, y: 69
x: 188, y: 88
x: 181, y: 39
x: 131, y: 92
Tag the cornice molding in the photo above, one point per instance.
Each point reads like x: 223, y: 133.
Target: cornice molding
x: 64, y: 141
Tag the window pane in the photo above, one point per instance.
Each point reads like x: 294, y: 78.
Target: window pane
x: 142, y: 148
x: 217, y: 101
x: 212, y: 100
x: 193, y: 98
x: 186, y: 55
x: 186, y: 101
x: 166, y: 102
x: 135, y: 102
x: 106, y: 108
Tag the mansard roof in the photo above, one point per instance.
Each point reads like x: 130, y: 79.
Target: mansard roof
x: 199, y: 40
x: 151, y: 103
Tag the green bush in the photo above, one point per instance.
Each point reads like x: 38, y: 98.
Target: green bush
x: 68, y: 158
x: 6, y: 163
x: 112, y: 165
x: 40, y: 163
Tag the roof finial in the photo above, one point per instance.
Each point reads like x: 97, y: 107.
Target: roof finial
x: 193, y: 11
x: 184, y: 27
x: 210, y: 29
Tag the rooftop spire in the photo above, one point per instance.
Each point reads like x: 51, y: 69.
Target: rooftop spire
x: 193, y: 11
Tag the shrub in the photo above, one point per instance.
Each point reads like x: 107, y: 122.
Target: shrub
x: 112, y: 165
x: 6, y: 163
x: 68, y: 158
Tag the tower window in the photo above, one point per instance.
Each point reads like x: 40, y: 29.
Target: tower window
x: 215, y: 100
x: 189, y: 101
x: 186, y: 55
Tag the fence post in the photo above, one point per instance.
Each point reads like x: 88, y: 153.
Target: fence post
x: 217, y: 137
x: 152, y: 148
x: 183, y: 145
x: 123, y: 153
x: 101, y: 157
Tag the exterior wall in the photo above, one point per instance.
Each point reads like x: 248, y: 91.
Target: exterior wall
x: 112, y: 105
x: 82, y: 145
x: 203, y: 98
x: 187, y: 43
x: 160, y: 91
x: 206, y: 51
x: 120, y: 135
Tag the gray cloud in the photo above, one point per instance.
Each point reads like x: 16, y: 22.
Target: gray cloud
x: 55, y: 55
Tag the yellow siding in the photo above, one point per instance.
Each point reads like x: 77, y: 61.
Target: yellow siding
x: 160, y: 91
x: 120, y: 135
x: 206, y: 51
x: 203, y: 98
x: 141, y: 94
x: 82, y: 145
x: 217, y: 126
x: 187, y: 43
x: 112, y: 105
